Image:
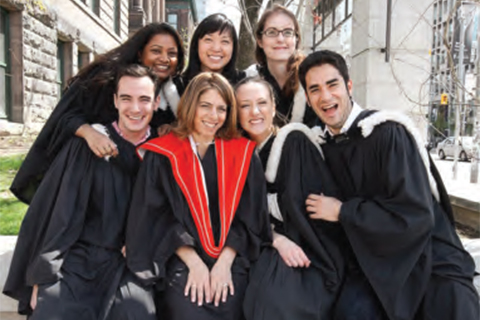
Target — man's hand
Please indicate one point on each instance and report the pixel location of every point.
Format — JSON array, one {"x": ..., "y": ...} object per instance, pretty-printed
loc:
[{"x": 322, "y": 207}]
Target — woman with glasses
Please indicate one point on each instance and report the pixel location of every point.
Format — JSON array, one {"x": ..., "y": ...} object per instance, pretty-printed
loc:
[{"x": 278, "y": 57}]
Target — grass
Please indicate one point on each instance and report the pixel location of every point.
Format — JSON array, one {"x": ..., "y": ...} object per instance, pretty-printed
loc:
[{"x": 11, "y": 210}]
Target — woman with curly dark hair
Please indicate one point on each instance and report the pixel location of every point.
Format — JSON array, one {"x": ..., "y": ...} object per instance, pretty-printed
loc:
[{"x": 88, "y": 99}]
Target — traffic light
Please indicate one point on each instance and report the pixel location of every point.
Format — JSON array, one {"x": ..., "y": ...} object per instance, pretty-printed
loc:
[{"x": 444, "y": 99}]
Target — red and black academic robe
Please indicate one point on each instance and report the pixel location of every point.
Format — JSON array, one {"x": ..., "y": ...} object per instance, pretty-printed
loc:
[{"x": 180, "y": 199}]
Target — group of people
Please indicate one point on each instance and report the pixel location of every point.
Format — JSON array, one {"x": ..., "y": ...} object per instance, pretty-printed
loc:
[{"x": 163, "y": 192}]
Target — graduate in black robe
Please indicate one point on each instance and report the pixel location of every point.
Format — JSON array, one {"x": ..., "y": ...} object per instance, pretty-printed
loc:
[
  {"x": 70, "y": 242},
  {"x": 393, "y": 209},
  {"x": 300, "y": 276},
  {"x": 88, "y": 99},
  {"x": 277, "y": 63},
  {"x": 209, "y": 199},
  {"x": 213, "y": 24}
]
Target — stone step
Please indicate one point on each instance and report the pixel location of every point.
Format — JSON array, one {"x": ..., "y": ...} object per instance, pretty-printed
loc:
[{"x": 11, "y": 316}]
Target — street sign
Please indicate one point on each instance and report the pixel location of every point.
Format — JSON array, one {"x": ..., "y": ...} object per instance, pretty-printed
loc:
[{"x": 444, "y": 99}]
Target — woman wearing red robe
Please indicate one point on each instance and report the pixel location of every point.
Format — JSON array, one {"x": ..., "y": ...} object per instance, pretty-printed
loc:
[{"x": 199, "y": 215}]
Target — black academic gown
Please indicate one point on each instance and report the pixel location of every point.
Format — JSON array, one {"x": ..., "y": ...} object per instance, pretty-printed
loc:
[
  {"x": 160, "y": 222},
  {"x": 403, "y": 239},
  {"x": 276, "y": 291},
  {"x": 84, "y": 101},
  {"x": 71, "y": 238},
  {"x": 284, "y": 104}
]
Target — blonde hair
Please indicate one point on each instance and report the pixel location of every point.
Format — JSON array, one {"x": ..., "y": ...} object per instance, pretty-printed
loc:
[{"x": 187, "y": 106}]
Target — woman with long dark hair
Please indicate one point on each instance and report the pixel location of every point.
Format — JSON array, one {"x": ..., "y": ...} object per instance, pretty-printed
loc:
[
  {"x": 278, "y": 56},
  {"x": 88, "y": 99},
  {"x": 214, "y": 48},
  {"x": 198, "y": 215}
]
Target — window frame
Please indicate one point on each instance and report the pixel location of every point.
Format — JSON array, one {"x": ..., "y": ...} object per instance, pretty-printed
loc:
[{"x": 6, "y": 112}]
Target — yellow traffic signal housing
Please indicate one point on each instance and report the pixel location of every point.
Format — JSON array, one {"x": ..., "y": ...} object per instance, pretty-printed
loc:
[{"x": 444, "y": 99}]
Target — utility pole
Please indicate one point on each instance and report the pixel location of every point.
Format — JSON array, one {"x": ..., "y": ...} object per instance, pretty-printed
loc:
[
  {"x": 460, "y": 93},
  {"x": 476, "y": 128}
]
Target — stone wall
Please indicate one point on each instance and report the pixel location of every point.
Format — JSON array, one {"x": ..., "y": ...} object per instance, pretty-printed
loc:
[
  {"x": 40, "y": 68},
  {"x": 35, "y": 28}
]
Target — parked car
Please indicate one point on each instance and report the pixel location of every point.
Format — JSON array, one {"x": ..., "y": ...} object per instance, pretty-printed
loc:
[{"x": 446, "y": 148}]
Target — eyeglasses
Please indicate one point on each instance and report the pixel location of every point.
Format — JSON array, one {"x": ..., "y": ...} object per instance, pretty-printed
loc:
[{"x": 272, "y": 33}]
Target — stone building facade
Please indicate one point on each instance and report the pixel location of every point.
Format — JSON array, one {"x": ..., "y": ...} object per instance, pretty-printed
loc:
[{"x": 43, "y": 43}]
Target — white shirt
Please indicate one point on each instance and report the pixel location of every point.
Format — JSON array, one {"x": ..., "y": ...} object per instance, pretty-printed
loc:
[{"x": 356, "y": 110}]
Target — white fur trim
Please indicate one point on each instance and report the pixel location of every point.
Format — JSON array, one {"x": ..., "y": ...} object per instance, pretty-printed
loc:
[
  {"x": 299, "y": 100},
  {"x": 368, "y": 124},
  {"x": 169, "y": 96},
  {"x": 319, "y": 134},
  {"x": 299, "y": 103},
  {"x": 103, "y": 130},
  {"x": 276, "y": 151},
  {"x": 252, "y": 71},
  {"x": 273, "y": 207}
]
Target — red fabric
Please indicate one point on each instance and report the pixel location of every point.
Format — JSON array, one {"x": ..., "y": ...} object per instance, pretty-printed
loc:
[{"x": 233, "y": 161}]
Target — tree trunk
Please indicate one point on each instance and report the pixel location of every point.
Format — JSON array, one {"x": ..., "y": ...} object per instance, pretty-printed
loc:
[{"x": 246, "y": 54}]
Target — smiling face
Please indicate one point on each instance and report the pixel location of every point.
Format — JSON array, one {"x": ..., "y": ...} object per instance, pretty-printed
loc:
[
  {"x": 328, "y": 95},
  {"x": 210, "y": 115},
  {"x": 161, "y": 54},
  {"x": 135, "y": 103},
  {"x": 215, "y": 51},
  {"x": 256, "y": 110},
  {"x": 279, "y": 48}
]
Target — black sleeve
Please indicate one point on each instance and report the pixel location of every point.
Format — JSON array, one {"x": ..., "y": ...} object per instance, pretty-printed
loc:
[
  {"x": 390, "y": 229},
  {"x": 77, "y": 106},
  {"x": 154, "y": 229},
  {"x": 302, "y": 171},
  {"x": 250, "y": 229},
  {"x": 53, "y": 221}
]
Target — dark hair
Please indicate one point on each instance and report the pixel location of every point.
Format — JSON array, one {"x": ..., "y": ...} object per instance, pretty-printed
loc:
[
  {"x": 128, "y": 53},
  {"x": 319, "y": 58},
  {"x": 189, "y": 103},
  {"x": 292, "y": 83},
  {"x": 217, "y": 22},
  {"x": 136, "y": 71}
]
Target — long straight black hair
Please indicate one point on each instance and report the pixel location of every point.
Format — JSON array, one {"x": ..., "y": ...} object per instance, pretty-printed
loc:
[{"x": 217, "y": 22}]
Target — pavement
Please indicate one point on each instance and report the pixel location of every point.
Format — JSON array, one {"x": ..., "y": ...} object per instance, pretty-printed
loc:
[{"x": 460, "y": 187}]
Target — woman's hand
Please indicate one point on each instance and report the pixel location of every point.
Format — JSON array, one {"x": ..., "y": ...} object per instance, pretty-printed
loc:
[
  {"x": 99, "y": 143},
  {"x": 221, "y": 276},
  {"x": 291, "y": 253},
  {"x": 198, "y": 282},
  {"x": 33, "y": 298}
]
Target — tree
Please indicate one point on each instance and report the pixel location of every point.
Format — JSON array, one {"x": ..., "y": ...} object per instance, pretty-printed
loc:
[{"x": 250, "y": 10}]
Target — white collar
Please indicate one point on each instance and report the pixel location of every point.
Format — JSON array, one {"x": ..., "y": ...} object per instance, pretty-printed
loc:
[{"x": 356, "y": 110}]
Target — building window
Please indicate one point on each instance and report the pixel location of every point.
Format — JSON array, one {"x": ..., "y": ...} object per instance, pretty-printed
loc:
[
  {"x": 94, "y": 5},
  {"x": 117, "y": 11},
  {"x": 329, "y": 15},
  {"x": 172, "y": 20},
  {"x": 4, "y": 65},
  {"x": 60, "y": 67}
]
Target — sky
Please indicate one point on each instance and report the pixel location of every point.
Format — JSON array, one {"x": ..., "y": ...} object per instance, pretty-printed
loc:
[{"x": 228, "y": 7}]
